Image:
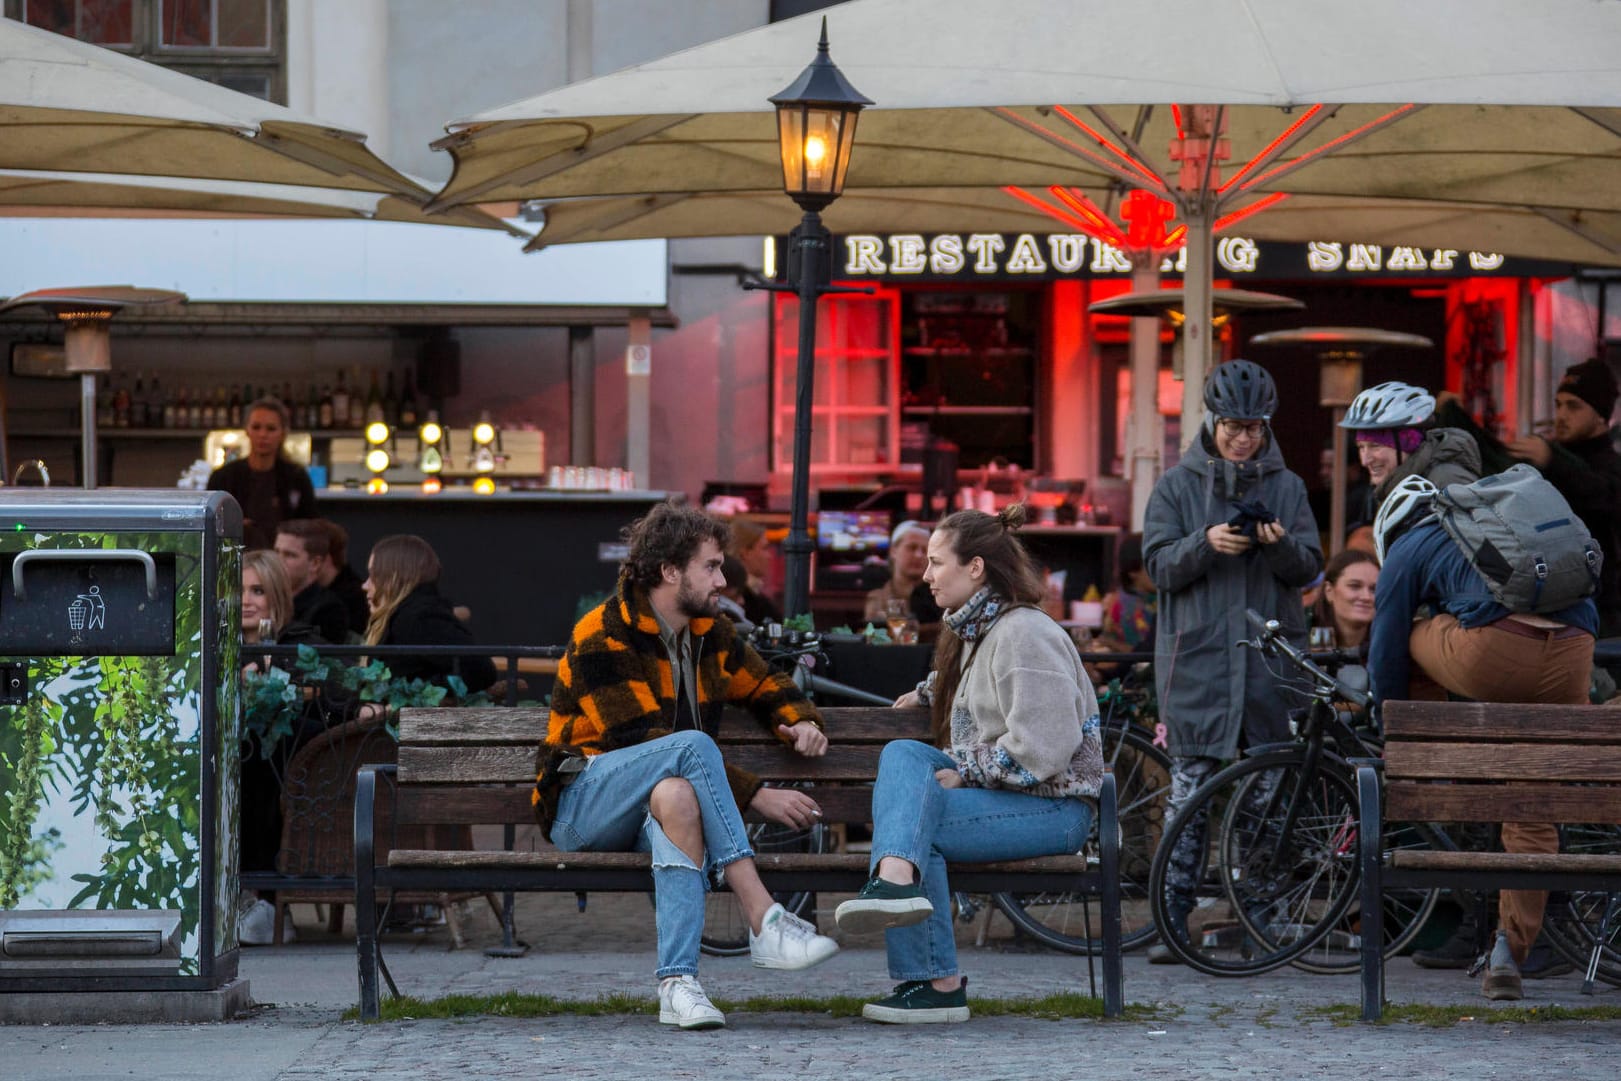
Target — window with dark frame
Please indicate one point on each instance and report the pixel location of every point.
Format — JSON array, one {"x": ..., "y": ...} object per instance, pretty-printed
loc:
[{"x": 237, "y": 44}]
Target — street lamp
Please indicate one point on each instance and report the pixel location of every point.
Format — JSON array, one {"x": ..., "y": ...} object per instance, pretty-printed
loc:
[{"x": 816, "y": 126}]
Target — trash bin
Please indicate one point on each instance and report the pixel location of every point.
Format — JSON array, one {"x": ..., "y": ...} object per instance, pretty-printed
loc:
[{"x": 119, "y": 635}]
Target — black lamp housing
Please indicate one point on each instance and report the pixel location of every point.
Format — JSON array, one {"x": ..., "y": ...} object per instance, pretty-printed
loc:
[{"x": 816, "y": 126}]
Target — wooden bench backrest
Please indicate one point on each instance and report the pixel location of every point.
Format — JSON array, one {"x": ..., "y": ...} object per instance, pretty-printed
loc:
[
  {"x": 1494, "y": 762},
  {"x": 477, "y": 765}
]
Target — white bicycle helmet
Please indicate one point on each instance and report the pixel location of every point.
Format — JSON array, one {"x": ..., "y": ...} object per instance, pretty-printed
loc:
[
  {"x": 1389, "y": 405},
  {"x": 1405, "y": 506}
]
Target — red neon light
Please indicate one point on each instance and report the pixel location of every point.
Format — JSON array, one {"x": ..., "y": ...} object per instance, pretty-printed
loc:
[
  {"x": 1174, "y": 239},
  {"x": 1330, "y": 145},
  {"x": 1118, "y": 152},
  {"x": 1176, "y": 115},
  {"x": 1077, "y": 201},
  {"x": 1243, "y": 212},
  {"x": 1273, "y": 145},
  {"x": 1051, "y": 211}
]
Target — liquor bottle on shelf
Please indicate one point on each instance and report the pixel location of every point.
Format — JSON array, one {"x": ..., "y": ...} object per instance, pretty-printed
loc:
[
  {"x": 326, "y": 409},
  {"x": 236, "y": 407},
  {"x": 208, "y": 415},
  {"x": 222, "y": 407},
  {"x": 374, "y": 402},
  {"x": 339, "y": 416},
  {"x": 153, "y": 406},
  {"x": 137, "y": 403},
  {"x": 104, "y": 403},
  {"x": 357, "y": 403},
  {"x": 121, "y": 404},
  {"x": 311, "y": 409},
  {"x": 194, "y": 409},
  {"x": 391, "y": 402},
  {"x": 408, "y": 402},
  {"x": 170, "y": 413}
]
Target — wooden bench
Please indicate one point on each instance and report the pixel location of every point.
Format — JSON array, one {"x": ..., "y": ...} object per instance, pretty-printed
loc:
[
  {"x": 1484, "y": 762},
  {"x": 476, "y": 766}
]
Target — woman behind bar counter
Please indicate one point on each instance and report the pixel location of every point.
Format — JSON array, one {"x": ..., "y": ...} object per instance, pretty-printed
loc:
[
  {"x": 402, "y": 586},
  {"x": 269, "y": 488}
]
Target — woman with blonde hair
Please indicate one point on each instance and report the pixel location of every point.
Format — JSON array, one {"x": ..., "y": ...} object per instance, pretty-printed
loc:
[
  {"x": 267, "y": 596},
  {"x": 1014, "y": 771},
  {"x": 402, "y": 588}
]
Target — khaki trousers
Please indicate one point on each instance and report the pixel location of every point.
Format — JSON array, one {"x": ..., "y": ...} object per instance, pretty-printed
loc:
[{"x": 1495, "y": 664}]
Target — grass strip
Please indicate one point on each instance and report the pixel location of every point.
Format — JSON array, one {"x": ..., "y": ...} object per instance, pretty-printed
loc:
[
  {"x": 1445, "y": 1016},
  {"x": 1055, "y": 1007}
]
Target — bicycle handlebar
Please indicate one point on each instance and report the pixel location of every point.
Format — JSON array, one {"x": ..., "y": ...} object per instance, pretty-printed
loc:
[{"x": 1269, "y": 637}]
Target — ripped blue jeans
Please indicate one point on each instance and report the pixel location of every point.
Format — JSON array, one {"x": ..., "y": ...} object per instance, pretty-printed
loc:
[{"x": 605, "y": 810}]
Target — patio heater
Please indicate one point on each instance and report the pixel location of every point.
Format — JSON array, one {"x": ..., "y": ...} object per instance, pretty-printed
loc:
[
  {"x": 85, "y": 312},
  {"x": 1340, "y": 351},
  {"x": 816, "y": 127}
]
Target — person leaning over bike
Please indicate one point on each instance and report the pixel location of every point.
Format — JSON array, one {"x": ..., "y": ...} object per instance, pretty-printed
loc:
[
  {"x": 1213, "y": 697},
  {"x": 1478, "y": 649}
]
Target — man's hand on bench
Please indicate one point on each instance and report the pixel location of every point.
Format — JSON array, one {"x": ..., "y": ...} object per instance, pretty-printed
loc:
[
  {"x": 787, "y": 806},
  {"x": 807, "y": 739}
]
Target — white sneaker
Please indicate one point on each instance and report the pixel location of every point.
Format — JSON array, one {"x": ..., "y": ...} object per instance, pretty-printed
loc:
[
  {"x": 682, "y": 1002},
  {"x": 786, "y": 941},
  {"x": 255, "y": 922}
]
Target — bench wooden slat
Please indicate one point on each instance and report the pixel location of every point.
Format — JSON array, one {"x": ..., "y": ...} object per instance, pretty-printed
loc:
[
  {"x": 1408, "y": 859},
  {"x": 490, "y": 805},
  {"x": 766, "y": 861},
  {"x": 1501, "y": 761},
  {"x": 516, "y": 764},
  {"x": 1494, "y": 721},
  {"x": 526, "y": 726},
  {"x": 1413, "y": 801}
]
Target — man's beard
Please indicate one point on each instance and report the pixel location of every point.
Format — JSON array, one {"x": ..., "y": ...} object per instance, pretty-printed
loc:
[{"x": 693, "y": 604}]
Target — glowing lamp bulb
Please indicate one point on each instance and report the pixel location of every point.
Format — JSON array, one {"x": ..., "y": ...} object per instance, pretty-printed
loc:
[
  {"x": 815, "y": 151},
  {"x": 432, "y": 485},
  {"x": 484, "y": 486},
  {"x": 377, "y": 459},
  {"x": 376, "y": 486},
  {"x": 483, "y": 432},
  {"x": 432, "y": 433},
  {"x": 376, "y": 432}
]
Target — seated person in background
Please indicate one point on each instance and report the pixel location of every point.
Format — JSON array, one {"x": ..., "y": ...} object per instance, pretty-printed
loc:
[
  {"x": 270, "y": 487},
  {"x": 267, "y": 616},
  {"x": 908, "y": 559},
  {"x": 753, "y": 550},
  {"x": 305, "y": 549},
  {"x": 730, "y": 601},
  {"x": 402, "y": 585},
  {"x": 336, "y": 574},
  {"x": 1396, "y": 437},
  {"x": 1128, "y": 611},
  {"x": 1341, "y": 616}
]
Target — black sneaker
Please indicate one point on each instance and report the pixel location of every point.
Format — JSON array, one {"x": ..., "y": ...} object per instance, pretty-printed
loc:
[
  {"x": 1544, "y": 962},
  {"x": 881, "y": 905},
  {"x": 1459, "y": 951},
  {"x": 916, "y": 1002}
]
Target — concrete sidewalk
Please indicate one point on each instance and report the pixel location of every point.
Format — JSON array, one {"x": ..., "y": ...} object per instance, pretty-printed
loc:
[{"x": 1207, "y": 1027}]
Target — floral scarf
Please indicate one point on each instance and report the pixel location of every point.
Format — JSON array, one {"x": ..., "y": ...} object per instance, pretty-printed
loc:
[{"x": 974, "y": 618}]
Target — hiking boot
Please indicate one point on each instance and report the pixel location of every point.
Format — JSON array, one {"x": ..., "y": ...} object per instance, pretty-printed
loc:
[
  {"x": 916, "y": 1002},
  {"x": 1502, "y": 980},
  {"x": 881, "y": 905},
  {"x": 1544, "y": 962},
  {"x": 682, "y": 1002},
  {"x": 1459, "y": 951},
  {"x": 785, "y": 941}
]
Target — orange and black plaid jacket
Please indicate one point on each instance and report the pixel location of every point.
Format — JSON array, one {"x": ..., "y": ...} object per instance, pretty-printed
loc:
[{"x": 614, "y": 689}]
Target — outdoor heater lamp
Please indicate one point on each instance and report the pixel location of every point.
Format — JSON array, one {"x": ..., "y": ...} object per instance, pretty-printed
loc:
[{"x": 816, "y": 127}]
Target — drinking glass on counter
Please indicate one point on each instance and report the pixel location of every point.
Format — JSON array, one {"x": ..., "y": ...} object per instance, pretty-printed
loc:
[{"x": 903, "y": 628}]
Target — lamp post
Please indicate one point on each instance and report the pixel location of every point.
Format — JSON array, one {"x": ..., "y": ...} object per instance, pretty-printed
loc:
[{"x": 816, "y": 127}]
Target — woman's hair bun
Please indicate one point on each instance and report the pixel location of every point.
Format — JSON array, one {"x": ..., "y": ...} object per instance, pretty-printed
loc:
[{"x": 1011, "y": 516}]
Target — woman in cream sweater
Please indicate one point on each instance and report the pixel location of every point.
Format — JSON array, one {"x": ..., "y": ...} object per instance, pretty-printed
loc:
[{"x": 1014, "y": 771}]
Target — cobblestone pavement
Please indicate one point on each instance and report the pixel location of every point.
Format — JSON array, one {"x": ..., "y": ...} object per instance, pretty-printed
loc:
[{"x": 1207, "y": 1028}]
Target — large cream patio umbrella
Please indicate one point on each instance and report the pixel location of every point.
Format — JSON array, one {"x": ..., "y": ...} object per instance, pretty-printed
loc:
[
  {"x": 69, "y": 107},
  {"x": 1441, "y": 123}
]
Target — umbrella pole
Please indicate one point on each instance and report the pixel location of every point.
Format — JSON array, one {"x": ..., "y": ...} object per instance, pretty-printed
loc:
[
  {"x": 1144, "y": 437},
  {"x": 808, "y": 254},
  {"x": 1336, "y": 497},
  {"x": 1196, "y": 336}
]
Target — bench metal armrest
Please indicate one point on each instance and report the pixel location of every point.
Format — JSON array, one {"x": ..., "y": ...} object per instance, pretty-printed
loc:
[
  {"x": 1366, "y": 763},
  {"x": 1109, "y": 865},
  {"x": 1370, "y": 846}
]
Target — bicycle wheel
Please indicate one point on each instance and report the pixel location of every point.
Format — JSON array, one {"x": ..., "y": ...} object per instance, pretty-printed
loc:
[
  {"x": 1070, "y": 921},
  {"x": 1585, "y": 925},
  {"x": 1338, "y": 953},
  {"x": 726, "y": 932},
  {"x": 1273, "y": 893}
]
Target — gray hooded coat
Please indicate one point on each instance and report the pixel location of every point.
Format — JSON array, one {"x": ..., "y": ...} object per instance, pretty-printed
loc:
[{"x": 1210, "y": 690}]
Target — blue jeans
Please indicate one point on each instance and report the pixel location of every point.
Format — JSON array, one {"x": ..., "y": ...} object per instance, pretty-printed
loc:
[
  {"x": 926, "y": 825},
  {"x": 605, "y": 810}
]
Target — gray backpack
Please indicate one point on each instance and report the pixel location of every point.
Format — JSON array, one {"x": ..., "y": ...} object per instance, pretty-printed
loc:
[{"x": 1521, "y": 535}]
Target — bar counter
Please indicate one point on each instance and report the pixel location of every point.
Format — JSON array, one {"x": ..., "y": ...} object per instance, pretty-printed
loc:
[{"x": 522, "y": 561}]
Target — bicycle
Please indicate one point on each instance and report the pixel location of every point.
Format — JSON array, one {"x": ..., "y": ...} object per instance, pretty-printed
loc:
[
  {"x": 1134, "y": 751},
  {"x": 1285, "y": 854}
]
